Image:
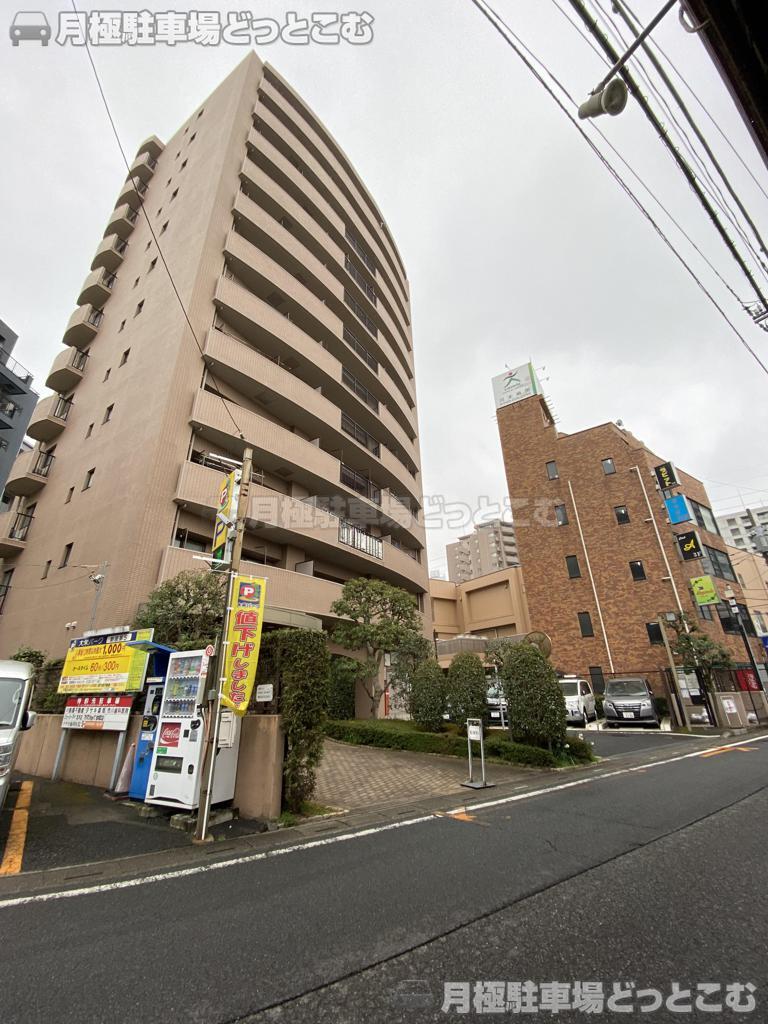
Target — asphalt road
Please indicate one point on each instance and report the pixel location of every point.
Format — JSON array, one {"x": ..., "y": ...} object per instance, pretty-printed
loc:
[{"x": 650, "y": 877}]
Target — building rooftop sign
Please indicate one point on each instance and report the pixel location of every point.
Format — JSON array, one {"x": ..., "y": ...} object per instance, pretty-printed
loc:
[{"x": 515, "y": 385}]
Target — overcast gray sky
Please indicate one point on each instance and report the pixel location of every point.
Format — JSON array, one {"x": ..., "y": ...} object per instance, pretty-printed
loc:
[{"x": 517, "y": 242}]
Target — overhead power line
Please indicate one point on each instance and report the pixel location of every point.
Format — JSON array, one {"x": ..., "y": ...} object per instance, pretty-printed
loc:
[
  {"x": 510, "y": 38},
  {"x": 154, "y": 236},
  {"x": 591, "y": 24}
]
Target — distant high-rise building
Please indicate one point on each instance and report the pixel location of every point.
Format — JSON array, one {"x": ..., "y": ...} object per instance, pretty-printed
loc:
[
  {"x": 746, "y": 530},
  {"x": 490, "y": 546},
  {"x": 291, "y": 285},
  {"x": 17, "y": 402}
]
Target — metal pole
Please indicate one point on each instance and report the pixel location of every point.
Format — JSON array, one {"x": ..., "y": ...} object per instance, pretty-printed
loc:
[
  {"x": 591, "y": 577},
  {"x": 469, "y": 751},
  {"x": 661, "y": 548},
  {"x": 482, "y": 757},
  {"x": 638, "y": 42},
  {"x": 737, "y": 615},
  {"x": 682, "y": 715},
  {"x": 209, "y": 765},
  {"x": 102, "y": 571}
]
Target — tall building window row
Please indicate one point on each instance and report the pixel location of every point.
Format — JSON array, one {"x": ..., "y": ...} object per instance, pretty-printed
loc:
[
  {"x": 585, "y": 624},
  {"x": 359, "y": 389},
  {"x": 360, "y": 434},
  {"x": 360, "y": 279},
  {"x": 360, "y": 313},
  {"x": 360, "y": 349}
]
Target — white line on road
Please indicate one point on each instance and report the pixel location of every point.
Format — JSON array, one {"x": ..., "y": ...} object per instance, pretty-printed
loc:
[{"x": 251, "y": 858}]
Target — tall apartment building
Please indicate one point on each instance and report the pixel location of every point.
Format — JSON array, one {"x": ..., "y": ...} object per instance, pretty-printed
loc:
[
  {"x": 298, "y": 299},
  {"x": 747, "y": 530},
  {"x": 597, "y": 576},
  {"x": 17, "y": 400},
  {"x": 491, "y": 546}
]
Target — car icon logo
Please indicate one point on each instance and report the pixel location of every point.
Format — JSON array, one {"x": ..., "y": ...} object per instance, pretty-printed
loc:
[{"x": 30, "y": 25}]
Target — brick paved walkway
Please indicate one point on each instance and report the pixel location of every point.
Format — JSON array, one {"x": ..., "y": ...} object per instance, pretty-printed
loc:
[{"x": 352, "y": 777}]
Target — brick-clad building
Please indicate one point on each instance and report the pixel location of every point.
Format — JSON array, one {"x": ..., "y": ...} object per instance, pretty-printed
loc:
[{"x": 595, "y": 575}]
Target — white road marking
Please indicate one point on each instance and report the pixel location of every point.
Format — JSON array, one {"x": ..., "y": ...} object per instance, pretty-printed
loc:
[{"x": 252, "y": 858}]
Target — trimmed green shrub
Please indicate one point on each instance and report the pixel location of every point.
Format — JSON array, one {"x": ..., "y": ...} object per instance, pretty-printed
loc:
[
  {"x": 579, "y": 750},
  {"x": 535, "y": 702},
  {"x": 428, "y": 696},
  {"x": 467, "y": 690},
  {"x": 30, "y": 655},
  {"x": 342, "y": 685}
]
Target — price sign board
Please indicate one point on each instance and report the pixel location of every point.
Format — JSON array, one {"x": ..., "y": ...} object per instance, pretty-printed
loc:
[
  {"x": 105, "y": 663},
  {"x": 99, "y": 713}
]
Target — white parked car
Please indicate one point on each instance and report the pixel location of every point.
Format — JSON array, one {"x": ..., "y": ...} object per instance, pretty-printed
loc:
[
  {"x": 579, "y": 700},
  {"x": 15, "y": 693}
]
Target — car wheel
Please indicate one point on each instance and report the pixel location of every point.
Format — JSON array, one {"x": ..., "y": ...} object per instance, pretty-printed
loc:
[
  {"x": 44, "y": 42},
  {"x": 15, "y": 42}
]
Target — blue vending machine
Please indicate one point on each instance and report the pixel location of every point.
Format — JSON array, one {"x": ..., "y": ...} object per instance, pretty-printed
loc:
[{"x": 145, "y": 744}]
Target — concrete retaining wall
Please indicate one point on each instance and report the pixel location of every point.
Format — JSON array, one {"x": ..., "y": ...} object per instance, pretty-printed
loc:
[{"x": 90, "y": 755}]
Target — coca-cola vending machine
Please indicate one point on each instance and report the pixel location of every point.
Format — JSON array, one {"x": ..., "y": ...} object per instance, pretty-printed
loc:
[{"x": 174, "y": 776}]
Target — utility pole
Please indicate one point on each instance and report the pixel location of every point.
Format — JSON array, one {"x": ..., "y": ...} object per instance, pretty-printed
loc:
[
  {"x": 98, "y": 579},
  {"x": 219, "y": 658},
  {"x": 736, "y": 613}
]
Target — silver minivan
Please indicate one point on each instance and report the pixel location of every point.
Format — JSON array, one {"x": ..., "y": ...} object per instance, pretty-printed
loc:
[
  {"x": 16, "y": 678},
  {"x": 629, "y": 701}
]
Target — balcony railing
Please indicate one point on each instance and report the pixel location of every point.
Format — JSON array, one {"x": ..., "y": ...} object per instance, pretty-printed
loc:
[
  {"x": 361, "y": 315},
  {"x": 62, "y": 407},
  {"x": 4, "y": 588},
  {"x": 360, "y": 483},
  {"x": 367, "y": 257},
  {"x": 357, "y": 538},
  {"x": 21, "y": 525},
  {"x": 8, "y": 408},
  {"x": 15, "y": 367},
  {"x": 361, "y": 350},
  {"x": 360, "y": 279},
  {"x": 361, "y": 435},
  {"x": 95, "y": 317},
  {"x": 43, "y": 463},
  {"x": 359, "y": 389},
  {"x": 79, "y": 360}
]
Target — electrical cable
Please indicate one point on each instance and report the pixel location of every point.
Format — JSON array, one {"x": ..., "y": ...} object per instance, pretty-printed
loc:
[
  {"x": 152, "y": 232},
  {"x": 690, "y": 177},
  {"x": 490, "y": 15}
]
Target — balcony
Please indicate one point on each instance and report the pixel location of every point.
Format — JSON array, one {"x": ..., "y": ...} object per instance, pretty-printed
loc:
[
  {"x": 152, "y": 146},
  {"x": 29, "y": 473},
  {"x": 110, "y": 253},
  {"x": 97, "y": 288},
  {"x": 14, "y": 527},
  {"x": 83, "y": 326},
  {"x": 49, "y": 418},
  {"x": 67, "y": 370},
  {"x": 143, "y": 167},
  {"x": 122, "y": 221},
  {"x": 132, "y": 192},
  {"x": 357, "y": 538},
  {"x": 15, "y": 378}
]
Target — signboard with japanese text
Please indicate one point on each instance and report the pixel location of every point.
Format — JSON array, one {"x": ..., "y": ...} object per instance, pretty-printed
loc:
[
  {"x": 678, "y": 509},
  {"x": 221, "y": 530},
  {"x": 666, "y": 475},
  {"x": 100, "y": 713},
  {"x": 704, "y": 590},
  {"x": 689, "y": 545},
  {"x": 514, "y": 385},
  {"x": 104, "y": 663},
  {"x": 245, "y": 617}
]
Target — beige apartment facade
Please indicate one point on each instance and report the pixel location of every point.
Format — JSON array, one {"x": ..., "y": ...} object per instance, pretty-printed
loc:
[
  {"x": 298, "y": 343},
  {"x": 752, "y": 573},
  {"x": 489, "y": 547}
]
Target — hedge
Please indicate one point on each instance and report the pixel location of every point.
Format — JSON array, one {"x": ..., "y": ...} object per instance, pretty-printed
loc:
[{"x": 498, "y": 748}]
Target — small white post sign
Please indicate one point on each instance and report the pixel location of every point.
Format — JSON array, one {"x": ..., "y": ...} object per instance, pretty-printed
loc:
[
  {"x": 265, "y": 692},
  {"x": 475, "y": 734}
]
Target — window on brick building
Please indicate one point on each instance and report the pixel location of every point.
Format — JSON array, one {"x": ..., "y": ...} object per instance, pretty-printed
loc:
[
  {"x": 622, "y": 514},
  {"x": 637, "y": 569},
  {"x": 552, "y": 470},
  {"x": 585, "y": 624},
  {"x": 654, "y": 633},
  {"x": 608, "y": 467},
  {"x": 572, "y": 564},
  {"x": 561, "y": 515}
]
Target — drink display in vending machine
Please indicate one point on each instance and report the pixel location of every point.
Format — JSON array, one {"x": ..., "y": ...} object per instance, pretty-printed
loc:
[{"x": 174, "y": 776}]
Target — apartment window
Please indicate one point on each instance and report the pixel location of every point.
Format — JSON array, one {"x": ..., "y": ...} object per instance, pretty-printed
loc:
[
  {"x": 585, "y": 624},
  {"x": 705, "y": 612},
  {"x": 184, "y": 164},
  {"x": 136, "y": 282},
  {"x": 88, "y": 479},
  {"x": 572, "y": 564},
  {"x": 46, "y": 570},
  {"x": 717, "y": 563},
  {"x": 360, "y": 313},
  {"x": 361, "y": 350},
  {"x": 68, "y": 498},
  {"x": 174, "y": 194},
  {"x": 148, "y": 246},
  {"x": 152, "y": 265},
  {"x": 561, "y": 515},
  {"x": 168, "y": 182},
  {"x": 200, "y": 112},
  {"x": 121, "y": 327},
  {"x": 654, "y": 633},
  {"x": 552, "y": 470},
  {"x": 139, "y": 308},
  {"x": 66, "y": 555},
  {"x": 5, "y": 586},
  {"x": 359, "y": 389},
  {"x": 622, "y": 514},
  {"x": 164, "y": 228},
  {"x": 124, "y": 357},
  {"x": 108, "y": 414},
  {"x": 360, "y": 434},
  {"x": 193, "y": 136},
  {"x": 758, "y": 617},
  {"x": 89, "y": 431},
  {"x": 704, "y": 517},
  {"x": 597, "y": 678},
  {"x": 638, "y": 570},
  {"x": 608, "y": 467},
  {"x": 192, "y": 541},
  {"x": 106, "y": 375}
]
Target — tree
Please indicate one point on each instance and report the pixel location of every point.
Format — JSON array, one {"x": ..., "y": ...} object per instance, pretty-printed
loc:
[
  {"x": 696, "y": 650},
  {"x": 467, "y": 689},
  {"x": 497, "y": 648},
  {"x": 186, "y": 611},
  {"x": 378, "y": 619},
  {"x": 31, "y": 655},
  {"x": 427, "y": 696},
  {"x": 405, "y": 663},
  {"x": 343, "y": 682},
  {"x": 535, "y": 702}
]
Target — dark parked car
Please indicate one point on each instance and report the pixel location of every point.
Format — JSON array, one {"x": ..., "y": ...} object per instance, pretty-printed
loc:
[{"x": 629, "y": 701}]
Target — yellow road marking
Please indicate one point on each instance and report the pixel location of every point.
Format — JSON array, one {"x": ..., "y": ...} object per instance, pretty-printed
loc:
[
  {"x": 17, "y": 834},
  {"x": 726, "y": 750},
  {"x": 462, "y": 816}
]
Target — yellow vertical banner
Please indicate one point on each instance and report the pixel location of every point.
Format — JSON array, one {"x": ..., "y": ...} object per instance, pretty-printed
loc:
[
  {"x": 246, "y": 614},
  {"x": 221, "y": 529}
]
